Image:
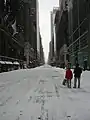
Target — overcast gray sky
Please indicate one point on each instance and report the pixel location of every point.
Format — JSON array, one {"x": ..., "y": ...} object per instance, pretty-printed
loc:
[{"x": 45, "y": 6}]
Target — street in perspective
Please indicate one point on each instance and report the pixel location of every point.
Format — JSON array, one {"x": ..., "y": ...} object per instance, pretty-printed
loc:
[
  {"x": 38, "y": 94},
  {"x": 44, "y": 60}
]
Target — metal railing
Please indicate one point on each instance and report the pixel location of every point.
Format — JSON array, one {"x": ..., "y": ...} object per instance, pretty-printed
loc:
[
  {"x": 79, "y": 44},
  {"x": 78, "y": 38},
  {"x": 78, "y": 27}
]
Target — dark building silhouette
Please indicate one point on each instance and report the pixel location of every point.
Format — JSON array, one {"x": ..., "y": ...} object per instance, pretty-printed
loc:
[
  {"x": 79, "y": 21},
  {"x": 18, "y": 32},
  {"x": 61, "y": 22}
]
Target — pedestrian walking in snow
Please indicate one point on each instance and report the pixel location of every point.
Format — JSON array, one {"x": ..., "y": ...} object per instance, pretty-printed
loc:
[
  {"x": 69, "y": 76},
  {"x": 77, "y": 75}
]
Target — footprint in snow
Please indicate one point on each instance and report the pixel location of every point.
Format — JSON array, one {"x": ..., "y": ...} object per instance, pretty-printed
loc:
[{"x": 17, "y": 101}]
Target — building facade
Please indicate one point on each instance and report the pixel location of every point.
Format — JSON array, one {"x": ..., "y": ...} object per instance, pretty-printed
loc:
[
  {"x": 79, "y": 31},
  {"x": 61, "y": 27},
  {"x": 10, "y": 48},
  {"x": 18, "y": 31},
  {"x": 52, "y": 44}
]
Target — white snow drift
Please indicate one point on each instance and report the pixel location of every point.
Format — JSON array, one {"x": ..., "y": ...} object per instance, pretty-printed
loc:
[{"x": 39, "y": 94}]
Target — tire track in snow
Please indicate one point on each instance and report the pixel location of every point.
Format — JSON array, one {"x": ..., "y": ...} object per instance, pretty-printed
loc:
[
  {"x": 6, "y": 101},
  {"x": 40, "y": 96},
  {"x": 57, "y": 91},
  {"x": 56, "y": 85}
]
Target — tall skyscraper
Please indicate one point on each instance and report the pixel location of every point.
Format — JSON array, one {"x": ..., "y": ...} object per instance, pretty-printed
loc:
[{"x": 53, "y": 31}]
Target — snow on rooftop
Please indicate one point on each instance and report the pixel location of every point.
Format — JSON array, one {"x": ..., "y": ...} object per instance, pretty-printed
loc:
[
  {"x": 16, "y": 63},
  {"x": 2, "y": 62},
  {"x": 6, "y": 62}
]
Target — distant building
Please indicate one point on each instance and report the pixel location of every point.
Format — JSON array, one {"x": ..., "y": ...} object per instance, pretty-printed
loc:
[
  {"x": 61, "y": 28},
  {"x": 50, "y": 57},
  {"x": 53, "y": 35},
  {"x": 42, "y": 61}
]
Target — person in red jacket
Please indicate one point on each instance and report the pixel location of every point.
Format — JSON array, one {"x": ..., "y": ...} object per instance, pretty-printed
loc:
[{"x": 69, "y": 76}]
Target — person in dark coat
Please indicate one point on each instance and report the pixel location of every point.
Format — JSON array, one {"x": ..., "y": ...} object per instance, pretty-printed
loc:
[{"x": 77, "y": 75}]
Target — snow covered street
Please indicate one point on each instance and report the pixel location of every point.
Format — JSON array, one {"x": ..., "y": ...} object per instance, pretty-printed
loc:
[{"x": 38, "y": 94}]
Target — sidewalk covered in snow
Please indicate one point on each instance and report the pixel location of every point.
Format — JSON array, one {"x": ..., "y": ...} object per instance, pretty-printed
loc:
[{"x": 39, "y": 94}]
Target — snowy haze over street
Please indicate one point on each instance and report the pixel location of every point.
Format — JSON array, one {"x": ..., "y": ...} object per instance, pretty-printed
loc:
[
  {"x": 38, "y": 94},
  {"x": 45, "y": 7}
]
